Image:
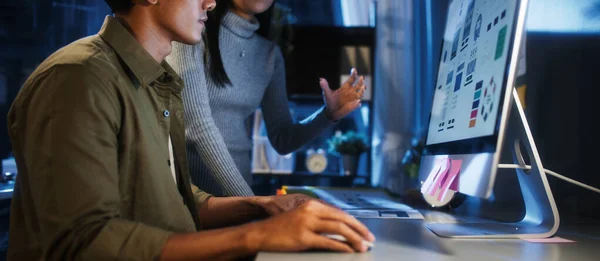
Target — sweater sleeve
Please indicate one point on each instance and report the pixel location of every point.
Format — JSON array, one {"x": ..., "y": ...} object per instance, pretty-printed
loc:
[
  {"x": 285, "y": 134},
  {"x": 200, "y": 128}
]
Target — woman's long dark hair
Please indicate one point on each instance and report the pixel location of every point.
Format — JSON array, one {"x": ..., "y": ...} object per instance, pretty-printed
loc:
[{"x": 212, "y": 55}]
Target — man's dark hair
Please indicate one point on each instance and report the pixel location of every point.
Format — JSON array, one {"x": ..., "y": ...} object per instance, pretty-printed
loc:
[{"x": 119, "y": 6}]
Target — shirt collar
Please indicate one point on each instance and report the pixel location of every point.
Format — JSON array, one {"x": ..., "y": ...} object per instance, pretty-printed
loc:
[{"x": 143, "y": 66}]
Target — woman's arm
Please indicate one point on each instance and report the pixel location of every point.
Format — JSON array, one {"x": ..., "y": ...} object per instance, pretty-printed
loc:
[
  {"x": 200, "y": 127},
  {"x": 285, "y": 134}
]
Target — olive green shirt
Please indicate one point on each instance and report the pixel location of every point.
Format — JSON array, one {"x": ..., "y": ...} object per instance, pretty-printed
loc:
[{"x": 90, "y": 131}]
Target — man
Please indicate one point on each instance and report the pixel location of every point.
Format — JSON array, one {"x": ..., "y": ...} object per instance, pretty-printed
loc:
[{"x": 98, "y": 137}]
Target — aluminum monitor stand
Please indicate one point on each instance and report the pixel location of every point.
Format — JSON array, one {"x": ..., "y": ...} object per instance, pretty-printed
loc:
[{"x": 541, "y": 219}]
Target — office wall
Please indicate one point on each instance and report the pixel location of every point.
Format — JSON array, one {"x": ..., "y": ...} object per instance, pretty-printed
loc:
[
  {"x": 30, "y": 30},
  {"x": 408, "y": 46},
  {"x": 562, "y": 98}
]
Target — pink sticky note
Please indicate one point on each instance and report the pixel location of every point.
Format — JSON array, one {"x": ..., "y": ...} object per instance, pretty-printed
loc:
[
  {"x": 451, "y": 179},
  {"x": 434, "y": 172},
  {"x": 454, "y": 171},
  {"x": 433, "y": 180},
  {"x": 439, "y": 179},
  {"x": 444, "y": 176},
  {"x": 549, "y": 240}
]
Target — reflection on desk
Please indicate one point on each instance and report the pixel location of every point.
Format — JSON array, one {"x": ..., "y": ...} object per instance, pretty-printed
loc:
[{"x": 411, "y": 240}]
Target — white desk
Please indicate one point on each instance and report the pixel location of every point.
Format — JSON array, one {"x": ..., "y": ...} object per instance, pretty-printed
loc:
[{"x": 411, "y": 240}]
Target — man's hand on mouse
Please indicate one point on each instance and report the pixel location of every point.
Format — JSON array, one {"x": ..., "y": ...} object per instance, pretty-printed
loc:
[{"x": 302, "y": 228}]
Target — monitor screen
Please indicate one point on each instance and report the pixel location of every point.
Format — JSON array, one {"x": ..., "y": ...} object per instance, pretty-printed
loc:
[{"x": 473, "y": 70}]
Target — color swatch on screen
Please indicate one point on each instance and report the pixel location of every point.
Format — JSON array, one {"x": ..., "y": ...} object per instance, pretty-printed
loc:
[
  {"x": 500, "y": 43},
  {"x": 488, "y": 94},
  {"x": 475, "y": 107}
]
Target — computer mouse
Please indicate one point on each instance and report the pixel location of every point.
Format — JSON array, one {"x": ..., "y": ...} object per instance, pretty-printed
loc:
[{"x": 341, "y": 238}]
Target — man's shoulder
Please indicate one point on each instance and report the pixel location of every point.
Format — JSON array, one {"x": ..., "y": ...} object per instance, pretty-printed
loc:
[
  {"x": 89, "y": 55},
  {"x": 86, "y": 65}
]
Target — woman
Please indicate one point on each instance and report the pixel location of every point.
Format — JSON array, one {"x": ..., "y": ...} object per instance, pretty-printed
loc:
[{"x": 245, "y": 71}]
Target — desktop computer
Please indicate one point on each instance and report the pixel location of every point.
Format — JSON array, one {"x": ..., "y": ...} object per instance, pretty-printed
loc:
[{"x": 476, "y": 115}]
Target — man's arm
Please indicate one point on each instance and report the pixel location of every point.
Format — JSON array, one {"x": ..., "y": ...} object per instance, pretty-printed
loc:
[
  {"x": 219, "y": 212},
  {"x": 221, "y": 244},
  {"x": 215, "y": 212},
  {"x": 296, "y": 230},
  {"x": 201, "y": 129},
  {"x": 69, "y": 133}
]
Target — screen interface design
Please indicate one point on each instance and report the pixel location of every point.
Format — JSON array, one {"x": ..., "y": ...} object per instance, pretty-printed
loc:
[{"x": 472, "y": 70}]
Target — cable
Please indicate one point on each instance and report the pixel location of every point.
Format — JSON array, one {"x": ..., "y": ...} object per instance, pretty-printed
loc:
[
  {"x": 552, "y": 173},
  {"x": 571, "y": 181}
]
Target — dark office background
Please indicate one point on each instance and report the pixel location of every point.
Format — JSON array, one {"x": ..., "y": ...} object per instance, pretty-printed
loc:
[
  {"x": 30, "y": 30},
  {"x": 562, "y": 79}
]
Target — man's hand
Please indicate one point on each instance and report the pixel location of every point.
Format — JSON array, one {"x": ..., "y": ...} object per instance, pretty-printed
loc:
[
  {"x": 300, "y": 229},
  {"x": 344, "y": 100},
  {"x": 274, "y": 205}
]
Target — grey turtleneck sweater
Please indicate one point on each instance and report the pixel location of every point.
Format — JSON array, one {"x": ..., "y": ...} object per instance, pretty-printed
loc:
[{"x": 218, "y": 140}]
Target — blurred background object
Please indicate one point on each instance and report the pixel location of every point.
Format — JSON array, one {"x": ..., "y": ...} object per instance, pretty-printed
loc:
[{"x": 395, "y": 44}]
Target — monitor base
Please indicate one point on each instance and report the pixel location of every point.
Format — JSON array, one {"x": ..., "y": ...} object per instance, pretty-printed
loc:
[
  {"x": 541, "y": 219},
  {"x": 488, "y": 230}
]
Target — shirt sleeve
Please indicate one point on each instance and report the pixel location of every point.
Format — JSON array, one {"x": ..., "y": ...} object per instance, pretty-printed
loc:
[
  {"x": 201, "y": 130},
  {"x": 70, "y": 144},
  {"x": 285, "y": 134},
  {"x": 199, "y": 196}
]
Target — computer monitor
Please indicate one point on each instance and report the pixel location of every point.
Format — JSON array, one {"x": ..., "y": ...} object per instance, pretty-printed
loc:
[
  {"x": 469, "y": 121},
  {"x": 473, "y": 89}
]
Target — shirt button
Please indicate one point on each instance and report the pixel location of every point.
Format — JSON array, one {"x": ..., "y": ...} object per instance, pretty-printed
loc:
[{"x": 166, "y": 113}]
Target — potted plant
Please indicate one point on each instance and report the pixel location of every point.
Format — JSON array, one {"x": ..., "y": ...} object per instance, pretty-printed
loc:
[
  {"x": 349, "y": 146},
  {"x": 410, "y": 165}
]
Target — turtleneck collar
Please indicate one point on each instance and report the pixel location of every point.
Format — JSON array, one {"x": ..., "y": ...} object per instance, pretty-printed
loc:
[{"x": 239, "y": 25}]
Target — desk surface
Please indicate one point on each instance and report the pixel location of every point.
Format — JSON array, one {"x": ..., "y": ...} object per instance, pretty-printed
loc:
[
  {"x": 6, "y": 190},
  {"x": 411, "y": 240}
]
